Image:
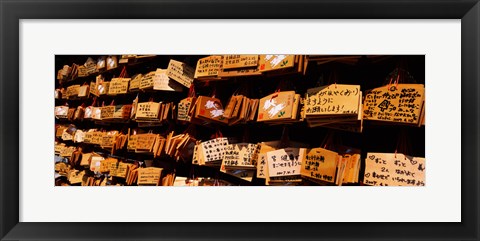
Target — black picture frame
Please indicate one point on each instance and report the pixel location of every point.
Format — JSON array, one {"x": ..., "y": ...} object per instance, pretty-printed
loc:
[{"x": 12, "y": 11}]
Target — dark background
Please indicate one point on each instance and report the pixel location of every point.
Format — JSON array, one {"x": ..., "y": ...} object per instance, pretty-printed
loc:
[{"x": 368, "y": 71}]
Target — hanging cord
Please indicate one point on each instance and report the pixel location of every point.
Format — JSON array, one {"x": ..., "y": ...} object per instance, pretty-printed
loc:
[
  {"x": 191, "y": 91},
  {"x": 190, "y": 130},
  {"x": 320, "y": 81},
  {"x": 204, "y": 88},
  {"x": 399, "y": 76},
  {"x": 328, "y": 141},
  {"x": 216, "y": 181},
  {"x": 123, "y": 74},
  {"x": 248, "y": 86},
  {"x": 336, "y": 142},
  {"x": 396, "y": 81},
  {"x": 217, "y": 134},
  {"x": 333, "y": 77},
  {"x": 391, "y": 77},
  {"x": 246, "y": 134},
  {"x": 125, "y": 130}
]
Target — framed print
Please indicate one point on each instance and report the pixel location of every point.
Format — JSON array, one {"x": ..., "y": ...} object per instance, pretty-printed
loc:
[{"x": 114, "y": 61}]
